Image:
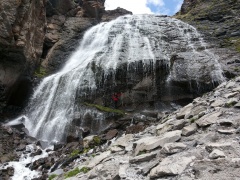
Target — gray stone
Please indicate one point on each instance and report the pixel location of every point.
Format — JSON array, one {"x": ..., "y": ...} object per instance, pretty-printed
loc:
[
  {"x": 218, "y": 103},
  {"x": 153, "y": 142},
  {"x": 87, "y": 141},
  {"x": 97, "y": 159},
  {"x": 163, "y": 128},
  {"x": 215, "y": 154},
  {"x": 178, "y": 124},
  {"x": 185, "y": 110},
  {"x": 230, "y": 95},
  {"x": 210, "y": 146},
  {"x": 143, "y": 157},
  {"x": 123, "y": 140},
  {"x": 189, "y": 130},
  {"x": 231, "y": 102},
  {"x": 115, "y": 149},
  {"x": 122, "y": 171},
  {"x": 208, "y": 119},
  {"x": 237, "y": 105},
  {"x": 195, "y": 111},
  {"x": 146, "y": 169},
  {"x": 171, "y": 166},
  {"x": 57, "y": 172},
  {"x": 226, "y": 131},
  {"x": 172, "y": 148},
  {"x": 230, "y": 84}
]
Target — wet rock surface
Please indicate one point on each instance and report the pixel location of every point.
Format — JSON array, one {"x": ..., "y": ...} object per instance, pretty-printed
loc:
[{"x": 219, "y": 22}]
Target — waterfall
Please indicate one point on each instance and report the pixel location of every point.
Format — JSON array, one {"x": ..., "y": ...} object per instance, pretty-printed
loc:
[{"x": 127, "y": 40}]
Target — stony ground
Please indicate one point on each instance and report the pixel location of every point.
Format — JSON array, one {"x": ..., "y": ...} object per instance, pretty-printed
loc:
[{"x": 198, "y": 141}]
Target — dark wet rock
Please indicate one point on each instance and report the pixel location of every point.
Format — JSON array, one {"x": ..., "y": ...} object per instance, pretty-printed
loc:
[
  {"x": 135, "y": 128},
  {"x": 113, "y": 14},
  {"x": 9, "y": 143},
  {"x": 38, "y": 152},
  {"x": 19, "y": 55},
  {"x": 111, "y": 134}
]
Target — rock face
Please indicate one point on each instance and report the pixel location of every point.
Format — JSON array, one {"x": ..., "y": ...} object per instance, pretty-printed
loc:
[
  {"x": 219, "y": 22},
  {"x": 150, "y": 59},
  {"x": 46, "y": 29},
  {"x": 21, "y": 40}
]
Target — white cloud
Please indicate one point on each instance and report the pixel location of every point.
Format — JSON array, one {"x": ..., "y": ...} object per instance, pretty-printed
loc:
[
  {"x": 168, "y": 7},
  {"x": 135, "y": 6}
]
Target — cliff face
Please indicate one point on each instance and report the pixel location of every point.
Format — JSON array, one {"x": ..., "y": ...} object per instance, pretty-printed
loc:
[
  {"x": 22, "y": 33},
  {"x": 219, "y": 21},
  {"x": 40, "y": 32}
]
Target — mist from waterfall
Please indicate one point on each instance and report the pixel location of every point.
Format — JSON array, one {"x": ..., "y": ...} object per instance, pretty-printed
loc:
[{"x": 128, "y": 39}]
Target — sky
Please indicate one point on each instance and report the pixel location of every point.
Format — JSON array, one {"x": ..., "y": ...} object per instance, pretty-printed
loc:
[{"x": 164, "y": 7}]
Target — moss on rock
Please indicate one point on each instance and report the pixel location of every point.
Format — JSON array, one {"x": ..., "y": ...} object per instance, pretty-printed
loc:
[{"x": 106, "y": 109}]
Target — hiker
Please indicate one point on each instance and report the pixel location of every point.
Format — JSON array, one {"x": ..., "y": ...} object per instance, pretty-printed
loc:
[{"x": 115, "y": 98}]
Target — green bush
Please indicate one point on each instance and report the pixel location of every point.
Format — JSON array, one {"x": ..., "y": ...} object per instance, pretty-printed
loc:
[
  {"x": 75, "y": 152},
  {"x": 84, "y": 170},
  {"x": 72, "y": 173},
  {"x": 52, "y": 176}
]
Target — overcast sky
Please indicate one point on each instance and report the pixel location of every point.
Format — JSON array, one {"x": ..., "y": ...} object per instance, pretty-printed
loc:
[{"x": 166, "y": 7}]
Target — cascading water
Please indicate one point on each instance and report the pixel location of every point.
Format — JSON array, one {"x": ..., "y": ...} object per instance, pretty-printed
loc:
[{"x": 126, "y": 40}]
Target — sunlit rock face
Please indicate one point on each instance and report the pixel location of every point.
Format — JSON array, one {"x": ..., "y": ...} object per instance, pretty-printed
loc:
[{"x": 150, "y": 59}]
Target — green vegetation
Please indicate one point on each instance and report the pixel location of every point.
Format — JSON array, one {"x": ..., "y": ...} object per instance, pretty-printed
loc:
[
  {"x": 72, "y": 173},
  {"x": 106, "y": 109},
  {"x": 85, "y": 150},
  {"x": 75, "y": 152},
  {"x": 193, "y": 119},
  {"x": 78, "y": 152},
  {"x": 142, "y": 152},
  {"x": 76, "y": 171},
  {"x": 236, "y": 44},
  {"x": 52, "y": 176},
  {"x": 230, "y": 104},
  {"x": 84, "y": 170},
  {"x": 41, "y": 72},
  {"x": 96, "y": 140}
]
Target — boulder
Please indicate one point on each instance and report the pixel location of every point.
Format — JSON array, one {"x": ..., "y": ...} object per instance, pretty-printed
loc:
[
  {"x": 97, "y": 159},
  {"x": 215, "y": 154},
  {"x": 218, "y": 103},
  {"x": 144, "y": 157},
  {"x": 237, "y": 105},
  {"x": 226, "y": 131},
  {"x": 123, "y": 141},
  {"x": 150, "y": 143},
  {"x": 185, "y": 110},
  {"x": 172, "y": 148},
  {"x": 211, "y": 146},
  {"x": 91, "y": 141},
  {"x": 189, "y": 130},
  {"x": 111, "y": 134},
  {"x": 171, "y": 166},
  {"x": 208, "y": 119}
]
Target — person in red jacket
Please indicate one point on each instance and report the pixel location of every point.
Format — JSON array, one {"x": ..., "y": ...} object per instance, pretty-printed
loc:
[{"x": 115, "y": 98}]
